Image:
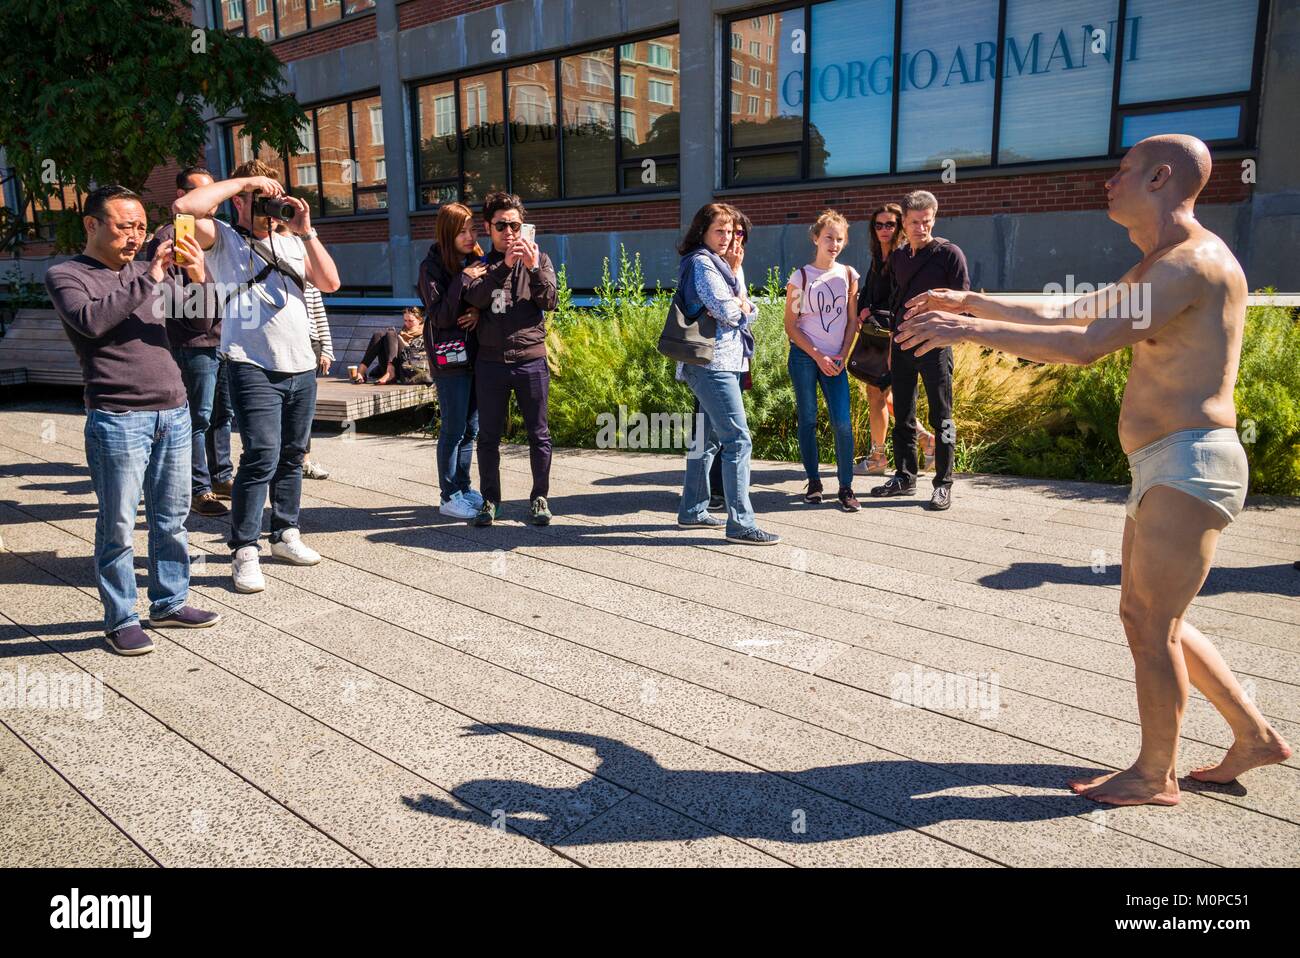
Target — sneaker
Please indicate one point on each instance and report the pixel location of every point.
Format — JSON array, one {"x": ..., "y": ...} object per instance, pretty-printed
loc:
[
  {"x": 487, "y": 513},
  {"x": 814, "y": 491},
  {"x": 313, "y": 470},
  {"x": 293, "y": 550},
  {"x": 207, "y": 504},
  {"x": 130, "y": 640},
  {"x": 896, "y": 486},
  {"x": 246, "y": 570},
  {"x": 458, "y": 507},
  {"x": 876, "y": 464},
  {"x": 941, "y": 498},
  {"x": 473, "y": 497},
  {"x": 848, "y": 501},
  {"x": 223, "y": 487},
  {"x": 755, "y": 537},
  {"x": 186, "y": 617},
  {"x": 541, "y": 513},
  {"x": 705, "y": 521},
  {"x": 717, "y": 503}
]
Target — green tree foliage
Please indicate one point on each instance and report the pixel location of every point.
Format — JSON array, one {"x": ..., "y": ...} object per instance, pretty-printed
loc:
[{"x": 105, "y": 91}]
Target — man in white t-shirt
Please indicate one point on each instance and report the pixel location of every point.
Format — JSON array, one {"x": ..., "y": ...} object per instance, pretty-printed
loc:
[{"x": 266, "y": 339}]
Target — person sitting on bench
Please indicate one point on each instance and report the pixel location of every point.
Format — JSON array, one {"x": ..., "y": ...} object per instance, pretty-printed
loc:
[{"x": 398, "y": 355}]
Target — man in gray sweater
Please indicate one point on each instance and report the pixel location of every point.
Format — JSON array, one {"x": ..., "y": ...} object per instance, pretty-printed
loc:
[{"x": 115, "y": 309}]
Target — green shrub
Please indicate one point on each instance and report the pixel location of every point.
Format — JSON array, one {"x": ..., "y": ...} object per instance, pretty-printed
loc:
[{"x": 1012, "y": 417}]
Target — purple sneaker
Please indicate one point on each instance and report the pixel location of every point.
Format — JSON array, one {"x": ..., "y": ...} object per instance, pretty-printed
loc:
[
  {"x": 186, "y": 617},
  {"x": 130, "y": 640}
]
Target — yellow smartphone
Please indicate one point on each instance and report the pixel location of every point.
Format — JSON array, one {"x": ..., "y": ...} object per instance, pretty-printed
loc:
[{"x": 184, "y": 226}]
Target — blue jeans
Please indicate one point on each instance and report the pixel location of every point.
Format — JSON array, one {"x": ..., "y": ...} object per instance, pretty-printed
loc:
[
  {"x": 200, "y": 371},
  {"x": 725, "y": 433},
  {"x": 217, "y": 447},
  {"x": 275, "y": 412},
  {"x": 805, "y": 375},
  {"x": 129, "y": 454},
  {"x": 457, "y": 430}
]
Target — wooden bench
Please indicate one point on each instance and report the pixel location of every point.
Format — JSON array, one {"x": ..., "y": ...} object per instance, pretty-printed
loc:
[{"x": 35, "y": 349}]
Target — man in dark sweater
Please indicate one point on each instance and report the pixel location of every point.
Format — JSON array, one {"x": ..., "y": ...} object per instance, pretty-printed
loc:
[
  {"x": 926, "y": 262},
  {"x": 512, "y": 296},
  {"x": 115, "y": 309}
]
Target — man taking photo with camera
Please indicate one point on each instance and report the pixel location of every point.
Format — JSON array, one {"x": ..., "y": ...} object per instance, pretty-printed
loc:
[{"x": 266, "y": 338}]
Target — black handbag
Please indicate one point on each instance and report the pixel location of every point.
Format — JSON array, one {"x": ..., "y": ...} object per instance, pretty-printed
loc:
[
  {"x": 869, "y": 357},
  {"x": 688, "y": 338}
]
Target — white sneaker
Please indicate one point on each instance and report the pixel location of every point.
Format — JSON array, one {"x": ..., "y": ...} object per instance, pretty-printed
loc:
[
  {"x": 474, "y": 498},
  {"x": 458, "y": 507},
  {"x": 293, "y": 550},
  {"x": 246, "y": 570}
]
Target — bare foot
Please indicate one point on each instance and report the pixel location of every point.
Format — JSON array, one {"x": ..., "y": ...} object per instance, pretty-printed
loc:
[
  {"x": 1130, "y": 787},
  {"x": 1243, "y": 756},
  {"x": 1081, "y": 785},
  {"x": 383, "y": 380}
]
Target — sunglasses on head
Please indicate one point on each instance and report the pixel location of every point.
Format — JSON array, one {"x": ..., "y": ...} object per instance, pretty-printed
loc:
[{"x": 502, "y": 225}]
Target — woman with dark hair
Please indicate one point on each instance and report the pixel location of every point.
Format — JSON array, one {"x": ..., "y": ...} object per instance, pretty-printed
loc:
[
  {"x": 454, "y": 259},
  {"x": 711, "y": 258},
  {"x": 397, "y": 354},
  {"x": 876, "y": 297}
]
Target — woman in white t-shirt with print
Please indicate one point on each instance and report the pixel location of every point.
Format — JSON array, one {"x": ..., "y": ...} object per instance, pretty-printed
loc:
[{"x": 821, "y": 323}]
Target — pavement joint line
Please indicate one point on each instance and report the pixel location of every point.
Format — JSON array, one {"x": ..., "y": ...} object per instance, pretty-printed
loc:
[
  {"x": 126, "y": 698},
  {"x": 72, "y": 785},
  {"x": 886, "y": 617},
  {"x": 795, "y": 718},
  {"x": 544, "y": 557}
]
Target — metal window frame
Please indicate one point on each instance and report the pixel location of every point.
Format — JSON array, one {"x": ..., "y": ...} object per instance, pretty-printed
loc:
[
  {"x": 504, "y": 67},
  {"x": 218, "y": 18},
  {"x": 1248, "y": 129}
]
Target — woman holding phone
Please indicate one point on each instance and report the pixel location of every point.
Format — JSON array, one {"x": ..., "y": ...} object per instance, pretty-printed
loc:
[{"x": 450, "y": 341}]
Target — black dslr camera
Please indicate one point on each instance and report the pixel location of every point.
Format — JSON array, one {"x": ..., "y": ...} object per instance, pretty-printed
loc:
[{"x": 275, "y": 207}]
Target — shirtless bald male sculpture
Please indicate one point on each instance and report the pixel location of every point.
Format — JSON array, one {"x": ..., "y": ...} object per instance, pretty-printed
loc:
[{"x": 1178, "y": 427}]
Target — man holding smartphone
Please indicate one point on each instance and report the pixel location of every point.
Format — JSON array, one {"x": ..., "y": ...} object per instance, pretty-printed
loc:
[
  {"x": 512, "y": 295},
  {"x": 266, "y": 341},
  {"x": 114, "y": 308}
]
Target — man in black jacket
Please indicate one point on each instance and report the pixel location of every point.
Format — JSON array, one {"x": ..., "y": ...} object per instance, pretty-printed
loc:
[
  {"x": 925, "y": 263},
  {"x": 512, "y": 296}
]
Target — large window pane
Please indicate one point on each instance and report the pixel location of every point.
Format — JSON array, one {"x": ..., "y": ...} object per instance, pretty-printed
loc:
[
  {"x": 1186, "y": 48},
  {"x": 588, "y": 99},
  {"x": 336, "y": 167},
  {"x": 242, "y": 150},
  {"x": 534, "y": 153},
  {"x": 356, "y": 6},
  {"x": 324, "y": 11},
  {"x": 1209, "y": 123},
  {"x": 293, "y": 16},
  {"x": 261, "y": 19},
  {"x": 763, "y": 167},
  {"x": 650, "y": 124},
  {"x": 1056, "y": 91},
  {"x": 852, "y": 106},
  {"x": 483, "y": 130},
  {"x": 945, "y": 102},
  {"x": 437, "y": 147},
  {"x": 368, "y": 152},
  {"x": 304, "y": 180},
  {"x": 232, "y": 15},
  {"x": 775, "y": 114}
]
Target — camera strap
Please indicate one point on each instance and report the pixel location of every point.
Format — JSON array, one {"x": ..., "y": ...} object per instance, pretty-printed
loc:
[{"x": 271, "y": 265}]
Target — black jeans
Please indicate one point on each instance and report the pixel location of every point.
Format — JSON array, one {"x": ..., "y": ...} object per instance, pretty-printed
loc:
[
  {"x": 384, "y": 347},
  {"x": 935, "y": 370},
  {"x": 530, "y": 382},
  {"x": 275, "y": 412}
]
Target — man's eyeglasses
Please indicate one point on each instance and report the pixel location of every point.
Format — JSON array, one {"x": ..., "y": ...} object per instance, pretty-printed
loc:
[
  {"x": 124, "y": 227},
  {"x": 891, "y": 225},
  {"x": 502, "y": 225}
]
